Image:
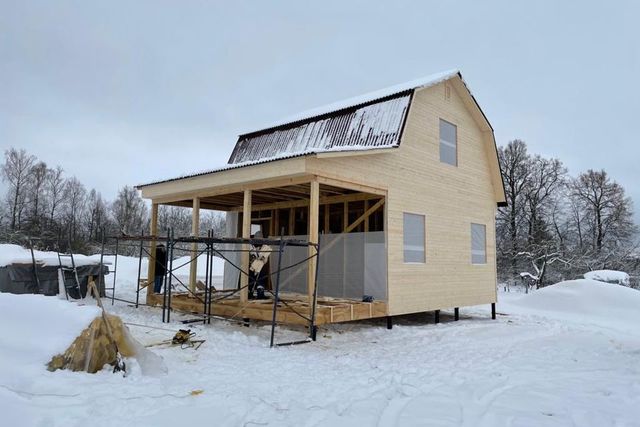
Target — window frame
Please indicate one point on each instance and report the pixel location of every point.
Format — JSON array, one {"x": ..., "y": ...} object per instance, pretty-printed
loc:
[
  {"x": 424, "y": 239},
  {"x": 447, "y": 143},
  {"x": 484, "y": 227}
]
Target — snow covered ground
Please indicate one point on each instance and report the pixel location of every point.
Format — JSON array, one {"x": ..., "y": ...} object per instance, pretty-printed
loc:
[{"x": 564, "y": 355}]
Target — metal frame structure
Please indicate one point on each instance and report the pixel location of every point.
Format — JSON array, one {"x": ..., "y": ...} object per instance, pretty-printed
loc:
[{"x": 212, "y": 295}]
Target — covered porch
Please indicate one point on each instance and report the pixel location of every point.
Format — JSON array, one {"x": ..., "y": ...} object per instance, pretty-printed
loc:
[{"x": 348, "y": 221}]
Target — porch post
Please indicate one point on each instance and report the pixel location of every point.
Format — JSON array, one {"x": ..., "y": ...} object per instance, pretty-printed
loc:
[
  {"x": 314, "y": 212},
  {"x": 151, "y": 269},
  {"x": 195, "y": 232},
  {"x": 246, "y": 233}
]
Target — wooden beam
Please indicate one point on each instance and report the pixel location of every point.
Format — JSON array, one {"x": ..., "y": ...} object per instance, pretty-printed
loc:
[
  {"x": 151, "y": 271},
  {"x": 314, "y": 213},
  {"x": 365, "y": 215},
  {"x": 366, "y": 220},
  {"x": 292, "y": 221},
  {"x": 351, "y": 197},
  {"x": 336, "y": 182},
  {"x": 195, "y": 231},
  {"x": 246, "y": 233},
  {"x": 327, "y": 213},
  {"x": 235, "y": 188},
  {"x": 345, "y": 216}
]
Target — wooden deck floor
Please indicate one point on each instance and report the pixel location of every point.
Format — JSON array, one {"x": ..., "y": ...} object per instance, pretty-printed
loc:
[{"x": 328, "y": 310}]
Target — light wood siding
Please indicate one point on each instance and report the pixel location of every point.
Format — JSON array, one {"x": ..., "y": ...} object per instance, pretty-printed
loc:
[{"x": 450, "y": 197}]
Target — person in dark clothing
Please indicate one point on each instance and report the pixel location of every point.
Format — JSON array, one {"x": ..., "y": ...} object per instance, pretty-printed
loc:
[{"x": 161, "y": 268}]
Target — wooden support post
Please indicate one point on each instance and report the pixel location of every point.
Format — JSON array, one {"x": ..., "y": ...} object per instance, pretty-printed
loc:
[
  {"x": 292, "y": 221},
  {"x": 345, "y": 216},
  {"x": 314, "y": 212},
  {"x": 437, "y": 316},
  {"x": 246, "y": 233},
  {"x": 389, "y": 322},
  {"x": 493, "y": 310},
  {"x": 456, "y": 314},
  {"x": 276, "y": 222},
  {"x": 151, "y": 271},
  {"x": 195, "y": 232},
  {"x": 366, "y": 219},
  {"x": 327, "y": 222}
]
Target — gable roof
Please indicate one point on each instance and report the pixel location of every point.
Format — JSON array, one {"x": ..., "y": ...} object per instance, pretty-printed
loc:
[
  {"x": 367, "y": 122},
  {"x": 371, "y": 121}
]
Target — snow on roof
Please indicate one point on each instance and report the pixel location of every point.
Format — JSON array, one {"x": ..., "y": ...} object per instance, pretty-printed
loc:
[
  {"x": 609, "y": 276},
  {"x": 370, "y": 126},
  {"x": 420, "y": 83},
  {"x": 14, "y": 254},
  {"x": 370, "y": 121}
]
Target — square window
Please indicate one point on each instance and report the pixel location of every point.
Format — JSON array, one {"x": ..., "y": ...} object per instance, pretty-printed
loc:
[
  {"x": 413, "y": 237},
  {"x": 478, "y": 244},
  {"x": 448, "y": 143}
]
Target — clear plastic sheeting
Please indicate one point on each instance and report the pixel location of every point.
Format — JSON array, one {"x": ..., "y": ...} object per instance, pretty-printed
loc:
[{"x": 351, "y": 266}]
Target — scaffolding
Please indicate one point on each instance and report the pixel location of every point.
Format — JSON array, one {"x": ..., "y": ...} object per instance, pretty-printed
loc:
[{"x": 210, "y": 296}]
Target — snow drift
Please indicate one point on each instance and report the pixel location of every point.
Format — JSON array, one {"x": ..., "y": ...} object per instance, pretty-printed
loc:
[
  {"x": 35, "y": 328},
  {"x": 609, "y": 276},
  {"x": 588, "y": 302}
]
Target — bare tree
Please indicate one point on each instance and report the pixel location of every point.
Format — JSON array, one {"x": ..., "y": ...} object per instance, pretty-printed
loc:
[
  {"x": 609, "y": 210},
  {"x": 39, "y": 173},
  {"x": 75, "y": 198},
  {"x": 515, "y": 165},
  {"x": 55, "y": 186},
  {"x": 130, "y": 211},
  {"x": 16, "y": 171}
]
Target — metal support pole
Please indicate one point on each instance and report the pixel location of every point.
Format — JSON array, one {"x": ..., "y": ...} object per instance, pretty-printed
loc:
[
  {"x": 139, "y": 272},
  {"x": 277, "y": 290},
  {"x": 493, "y": 310},
  {"x": 456, "y": 314},
  {"x": 210, "y": 280},
  {"x": 437, "y": 315},
  {"x": 206, "y": 301},
  {"x": 100, "y": 275},
  {"x": 164, "y": 292},
  {"x": 389, "y": 322},
  {"x": 115, "y": 271},
  {"x": 172, "y": 243}
]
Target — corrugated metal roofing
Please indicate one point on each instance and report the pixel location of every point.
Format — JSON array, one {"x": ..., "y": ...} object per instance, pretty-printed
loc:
[{"x": 377, "y": 125}]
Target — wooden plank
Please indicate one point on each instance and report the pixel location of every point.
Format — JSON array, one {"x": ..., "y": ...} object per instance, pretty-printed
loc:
[
  {"x": 195, "y": 231},
  {"x": 300, "y": 203},
  {"x": 362, "y": 217},
  {"x": 341, "y": 183},
  {"x": 314, "y": 212},
  {"x": 292, "y": 218},
  {"x": 151, "y": 269},
  {"x": 246, "y": 233}
]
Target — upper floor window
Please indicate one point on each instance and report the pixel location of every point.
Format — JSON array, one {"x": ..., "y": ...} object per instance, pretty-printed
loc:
[{"x": 448, "y": 143}]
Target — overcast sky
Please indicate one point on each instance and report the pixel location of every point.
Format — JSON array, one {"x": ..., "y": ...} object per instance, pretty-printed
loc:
[{"x": 121, "y": 93}]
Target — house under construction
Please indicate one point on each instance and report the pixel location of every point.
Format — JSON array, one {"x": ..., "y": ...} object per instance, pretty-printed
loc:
[{"x": 399, "y": 188}]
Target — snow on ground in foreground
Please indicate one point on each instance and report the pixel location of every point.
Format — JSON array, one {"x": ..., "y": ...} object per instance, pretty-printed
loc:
[
  {"x": 608, "y": 276},
  {"x": 531, "y": 367}
]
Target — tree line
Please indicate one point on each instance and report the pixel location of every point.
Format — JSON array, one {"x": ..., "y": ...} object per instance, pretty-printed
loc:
[
  {"x": 558, "y": 227},
  {"x": 58, "y": 211}
]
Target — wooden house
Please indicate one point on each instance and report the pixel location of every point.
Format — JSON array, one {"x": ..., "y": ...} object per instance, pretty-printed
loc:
[{"x": 414, "y": 165}]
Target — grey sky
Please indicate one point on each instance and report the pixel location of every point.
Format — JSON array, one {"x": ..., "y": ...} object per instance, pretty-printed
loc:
[{"x": 126, "y": 92}]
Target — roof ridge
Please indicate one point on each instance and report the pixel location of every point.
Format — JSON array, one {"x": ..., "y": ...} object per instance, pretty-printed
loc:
[{"x": 359, "y": 100}]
